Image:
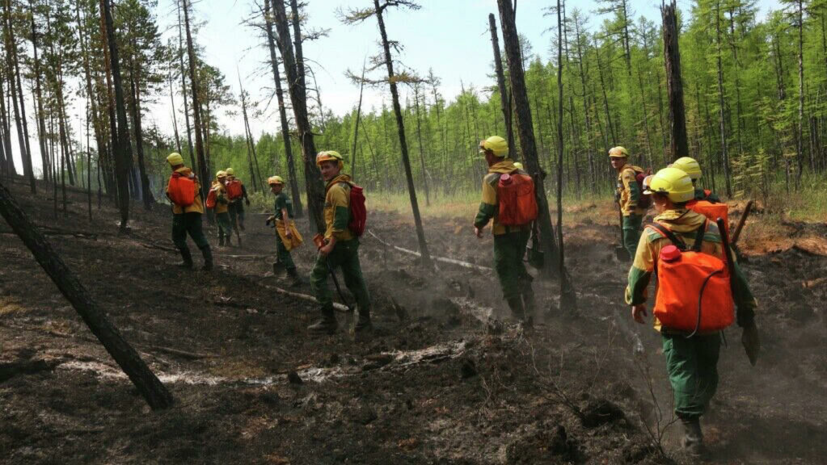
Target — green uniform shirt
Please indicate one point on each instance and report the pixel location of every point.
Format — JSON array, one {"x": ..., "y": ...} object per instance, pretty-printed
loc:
[{"x": 282, "y": 202}]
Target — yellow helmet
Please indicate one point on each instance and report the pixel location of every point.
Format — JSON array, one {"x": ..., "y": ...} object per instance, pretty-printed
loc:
[
  {"x": 329, "y": 155},
  {"x": 175, "y": 159},
  {"x": 618, "y": 152},
  {"x": 689, "y": 166},
  {"x": 221, "y": 174},
  {"x": 229, "y": 172},
  {"x": 496, "y": 144},
  {"x": 275, "y": 180},
  {"x": 518, "y": 165},
  {"x": 673, "y": 182}
]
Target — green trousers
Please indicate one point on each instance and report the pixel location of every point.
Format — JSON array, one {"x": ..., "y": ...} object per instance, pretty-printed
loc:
[
  {"x": 509, "y": 250},
  {"x": 188, "y": 223},
  {"x": 236, "y": 211},
  {"x": 283, "y": 255},
  {"x": 693, "y": 371},
  {"x": 631, "y": 233},
  {"x": 225, "y": 227},
  {"x": 345, "y": 255}
]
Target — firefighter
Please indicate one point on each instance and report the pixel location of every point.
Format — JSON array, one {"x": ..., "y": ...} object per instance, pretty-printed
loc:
[
  {"x": 509, "y": 240},
  {"x": 691, "y": 356},
  {"x": 287, "y": 237},
  {"x": 340, "y": 249},
  {"x": 186, "y": 217},
  {"x": 627, "y": 195},
  {"x": 237, "y": 195},
  {"x": 691, "y": 167},
  {"x": 218, "y": 192}
]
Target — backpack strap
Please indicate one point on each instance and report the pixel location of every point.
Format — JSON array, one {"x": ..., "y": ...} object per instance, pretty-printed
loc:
[
  {"x": 679, "y": 243},
  {"x": 699, "y": 237}
]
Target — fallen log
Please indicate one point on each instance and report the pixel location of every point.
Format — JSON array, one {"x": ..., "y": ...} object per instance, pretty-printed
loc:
[
  {"x": 450, "y": 261},
  {"x": 148, "y": 385},
  {"x": 336, "y": 305}
]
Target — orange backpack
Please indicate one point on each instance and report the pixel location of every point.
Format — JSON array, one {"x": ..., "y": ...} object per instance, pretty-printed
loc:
[
  {"x": 212, "y": 198},
  {"x": 181, "y": 190},
  {"x": 713, "y": 211},
  {"x": 694, "y": 288},
  {"x": 518, "y": 205},
  {"x": 234, "y": 189}
]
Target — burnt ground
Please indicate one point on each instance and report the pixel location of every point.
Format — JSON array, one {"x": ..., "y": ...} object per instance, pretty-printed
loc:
[{"x": 445, "y": 378}]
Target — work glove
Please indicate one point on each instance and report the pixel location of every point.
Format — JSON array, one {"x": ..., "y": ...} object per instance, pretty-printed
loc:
[
  {"x": 248, "y": 202},
  {"x": 751, "y": 343},
  {"x": 269, "y": 220}
]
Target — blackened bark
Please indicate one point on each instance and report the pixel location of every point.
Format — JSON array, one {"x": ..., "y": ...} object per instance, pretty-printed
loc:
[
  {"x": 505, "y": 98},
  {"x": 298, "y": 97},
  {"x": 525, "y": 130},
  {"x": 672, "y": 58},
  {"x": 285, "y": 131}
]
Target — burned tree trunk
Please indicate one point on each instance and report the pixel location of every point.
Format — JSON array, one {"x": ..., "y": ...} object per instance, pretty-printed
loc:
[
  {"x": 150, "y": 387},
  {"x": 525, "y": 130},
  {"x": 505, "y": 98},
  {"x": 285, "y": 131},
  {"x": 196, "y": 113},
  {"x": 298, "y": 96},
  {"x": 123, "y": 151},
  {"x": 568, "y": 298},
  {"x": 403, "y": 144},
  {"x": 672, "y": 58}
]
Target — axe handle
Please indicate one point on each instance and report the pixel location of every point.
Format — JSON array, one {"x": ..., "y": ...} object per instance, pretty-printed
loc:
[{"x": 741, "y": 222}]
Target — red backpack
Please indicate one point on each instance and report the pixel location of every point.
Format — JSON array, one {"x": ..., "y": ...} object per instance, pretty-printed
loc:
[
  {"x": 234, "y": 189},
  {"x": 181, "y": 190},
  {"x": 518, "y": 204},
  {"x": 358, "y": 211},
  {"x": 212, "y": 198},
  {"x": 644, "y": 200}
]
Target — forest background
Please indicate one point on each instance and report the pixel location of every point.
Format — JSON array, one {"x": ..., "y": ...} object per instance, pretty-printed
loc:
[{"x": 754, "y": 80}]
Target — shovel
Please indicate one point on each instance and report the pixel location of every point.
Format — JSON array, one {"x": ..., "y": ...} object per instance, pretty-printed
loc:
[{"x": 318, "y": 239}]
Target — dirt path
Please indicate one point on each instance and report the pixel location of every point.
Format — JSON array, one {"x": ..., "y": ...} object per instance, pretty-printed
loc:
[{"x": 439, "y": 382}]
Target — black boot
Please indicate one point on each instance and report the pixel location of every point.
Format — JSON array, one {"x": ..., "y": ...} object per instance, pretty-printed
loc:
[
  {"x": 327, "y": 324},
  {"x": 516, "y": 306},
  {"x": 207, "y": 253},
  {"x": 278, "y": 268},
  {"x": 693, "y": 439},
  {"x": 364, "y": 324},
  {"x": 187, "y": 256}
]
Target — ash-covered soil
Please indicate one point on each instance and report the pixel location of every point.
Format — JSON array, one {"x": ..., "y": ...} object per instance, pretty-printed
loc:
[{"x": 445, "y": 378}]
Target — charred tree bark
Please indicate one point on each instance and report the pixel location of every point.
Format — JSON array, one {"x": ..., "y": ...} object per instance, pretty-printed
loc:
[
  {"x": 123, "y": 150},
  {"x": 298, "y": 97},
  {"x": 672, "y": 58},
  {"x": 196, "y": 113},
  {"x": 11, "y": 50},
  {"x": 41, "y": 123},
  {"x": 403, "y": 144},
  {"x": 14, "y": 87},
  {"x": 184, "y": 91},
  {"x": 505, "y": 97},
  {"x": 285, "y": 130},
  {"x": 525, "y": 130},
  {"x": 721, "y": 104},
  {"x": 146, "y": 191},
  {"x": 356, "y": 125},
  {"x": 568, "y": 298},
  {"x": 148, "y": 385},
  {"x": 421, "y": 147}
]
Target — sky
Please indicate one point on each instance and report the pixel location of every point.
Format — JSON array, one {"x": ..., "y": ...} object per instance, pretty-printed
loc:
[{"x": 449, "y": 36}]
